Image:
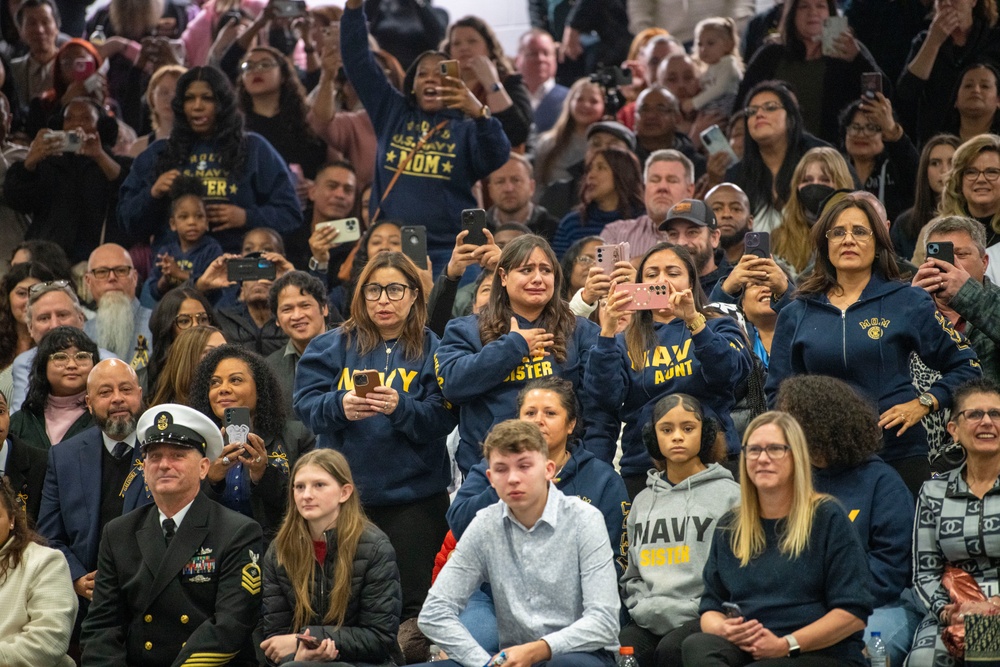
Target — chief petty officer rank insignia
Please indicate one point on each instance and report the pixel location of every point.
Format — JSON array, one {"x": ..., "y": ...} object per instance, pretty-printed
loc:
[{"x": 251, "y": 575}]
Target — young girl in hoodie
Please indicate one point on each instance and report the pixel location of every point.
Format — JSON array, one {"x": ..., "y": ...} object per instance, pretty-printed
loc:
[{"x": 670, "y": 529}]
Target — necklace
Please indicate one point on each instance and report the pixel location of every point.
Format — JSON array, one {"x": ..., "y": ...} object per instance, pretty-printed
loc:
[
  {"x": 388, "y": 353},
  {"x": 564, "y": 462}
]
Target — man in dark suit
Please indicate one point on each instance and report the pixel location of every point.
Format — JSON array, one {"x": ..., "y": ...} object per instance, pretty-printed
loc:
[
  {"x": 22, "y": 465},
  {"x": 178, "y": 582},
  {"x": 96, "y": 475}
]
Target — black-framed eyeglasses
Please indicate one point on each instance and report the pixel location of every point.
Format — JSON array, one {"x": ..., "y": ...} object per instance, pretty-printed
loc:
[
  {"x": 775, "y": 452},
  {"x": 857, "y": 232},
  {"x": 104, "y": 273},
  {"x": 61, "y": 359},
  {"x": 259, "y": 66},
  {"x": 979, "y": 415},
  {"x": 972, "y": 174},
  {"x": 867, "y": 129},
  {"x": 373, "y": 291},
  {"x": 196, "y": 319},
  {"x": 769, "y": 107}
]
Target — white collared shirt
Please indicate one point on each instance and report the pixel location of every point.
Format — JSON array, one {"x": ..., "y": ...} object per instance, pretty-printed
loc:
[
  {"x": 4, "y": 454},
  {"x": 539, "y": 95},
  {"x": 178, "y": 518},
  {"x": 110, "y": 444}
]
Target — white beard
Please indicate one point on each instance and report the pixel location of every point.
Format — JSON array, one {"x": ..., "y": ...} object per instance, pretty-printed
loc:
[{"x": 116, "y": 326}]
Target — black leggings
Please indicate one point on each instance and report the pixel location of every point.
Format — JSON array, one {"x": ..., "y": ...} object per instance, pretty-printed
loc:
[
  {"x": 651, "y": 650},
  {"x": 706, "y": 650},
  {"x": 416, "y": 531}
]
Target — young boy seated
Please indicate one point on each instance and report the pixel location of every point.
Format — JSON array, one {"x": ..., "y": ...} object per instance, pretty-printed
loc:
[
  {"x": 547, "y": 558},
  {"x": 191, "y": 251}
]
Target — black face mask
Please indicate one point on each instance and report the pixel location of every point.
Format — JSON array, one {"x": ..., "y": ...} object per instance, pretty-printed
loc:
[{"x": 812, "y": 197}]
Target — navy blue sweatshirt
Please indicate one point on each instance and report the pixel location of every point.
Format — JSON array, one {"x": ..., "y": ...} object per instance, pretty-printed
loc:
[
  {"x": 483, "y": 380},
  {"x": 869, "y": 345},
  {"x": 787, "y": 594},
  {"x": 592, "y": 480},
  {"x": 395, "y": 458},
  {"x": 707, "y": 366},
  {"x": 880, "y": 508},
  {"x": 437, "y": 183}
]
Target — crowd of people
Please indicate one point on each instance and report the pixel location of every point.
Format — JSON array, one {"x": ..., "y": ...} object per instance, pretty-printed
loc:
[{"x": 342, "y": 336}]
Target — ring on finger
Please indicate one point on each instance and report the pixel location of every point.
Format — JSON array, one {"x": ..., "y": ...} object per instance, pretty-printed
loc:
[{"x": 225, "y": 460}]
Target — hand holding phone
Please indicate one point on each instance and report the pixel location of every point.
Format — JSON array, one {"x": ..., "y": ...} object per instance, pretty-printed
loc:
[
  {"x": 943, "y": 251},
  {"x": 833, "y": 27},
  {"x": 732, "y": 610},
  {"x": 308, "y": 641}
]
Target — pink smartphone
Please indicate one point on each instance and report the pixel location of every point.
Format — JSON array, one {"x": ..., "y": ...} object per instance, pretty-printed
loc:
[{"x": 646, "y": 296}]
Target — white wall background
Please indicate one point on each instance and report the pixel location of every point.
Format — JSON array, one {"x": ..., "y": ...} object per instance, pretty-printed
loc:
[{"x": 509, "y": 18}]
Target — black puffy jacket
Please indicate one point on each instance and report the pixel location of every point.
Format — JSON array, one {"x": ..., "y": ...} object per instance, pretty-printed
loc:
[{"x": 371, "y": 622}]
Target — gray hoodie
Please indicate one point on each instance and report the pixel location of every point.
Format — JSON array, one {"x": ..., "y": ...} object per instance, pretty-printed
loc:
[{"x": 670, "y": 531}]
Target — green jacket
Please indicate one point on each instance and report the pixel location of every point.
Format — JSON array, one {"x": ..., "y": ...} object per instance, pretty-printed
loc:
[
  {"x": 979, "y": 305},
  {"x": 30, "y": 428}
]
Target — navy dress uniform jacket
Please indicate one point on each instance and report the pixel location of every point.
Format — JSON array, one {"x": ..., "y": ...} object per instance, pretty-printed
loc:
[{"x": 193, "y": 603}]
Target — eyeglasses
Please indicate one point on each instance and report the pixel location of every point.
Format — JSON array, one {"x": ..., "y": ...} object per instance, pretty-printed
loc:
[
  {"x": 769, "y": 107},
  {"x": 972, "y": 174},
  {"x": 858, "y": 128},
  {"x": 774, "y": 452},
  {"x": 373, "y": 291},
  {"x": 858, "y": 233},
  {"x": 259, "y": 66},
  {"x": 187, "y": 321},
  {"x": 586, "y": 260},
  {"x": 105, "y": 273},
  {"x": 61, "y": 359},
  {"x": 979, "y": 415},
  {"x": 38, "y": 288}
]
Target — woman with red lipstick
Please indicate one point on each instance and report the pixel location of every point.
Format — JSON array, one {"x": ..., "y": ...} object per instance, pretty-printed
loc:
[{"x": 854, "y": 319}]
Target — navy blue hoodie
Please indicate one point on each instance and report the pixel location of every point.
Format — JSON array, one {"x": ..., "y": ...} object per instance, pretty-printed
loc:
[
  {"x": 880, "y": 508},
  {"x": 584, "y": 476},
  {"x": 484, "y": 380},
  {"x": 707, "y": 366},
  {"x": 396, "y": 458},
  {"x": 869, "y": 345},
  {"x": 437, "y": 183}
]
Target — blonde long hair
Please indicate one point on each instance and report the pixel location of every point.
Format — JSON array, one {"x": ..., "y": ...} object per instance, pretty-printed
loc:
[
  {"x": 294, "y": 547},
  {"x": 792, "y": 239},
  {"x": 563, "y": 130},
  {"x": 953, "y": 200},
  {"x": 747, "y": 533}
]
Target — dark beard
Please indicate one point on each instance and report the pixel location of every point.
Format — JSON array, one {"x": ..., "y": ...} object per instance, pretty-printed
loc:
[
  {"x": 117, "y": 428},
  {"x": 731, "y": 240}
]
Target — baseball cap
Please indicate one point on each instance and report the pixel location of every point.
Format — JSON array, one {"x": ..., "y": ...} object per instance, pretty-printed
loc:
[
  {"x": 692, "y": 210},
  {"x": 615, "y": 129}
]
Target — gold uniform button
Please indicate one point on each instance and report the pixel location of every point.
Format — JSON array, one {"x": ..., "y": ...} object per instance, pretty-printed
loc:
[
  {"x": 149, "y": 646},
  {"x": 184, "y": 618},
  {"x": 148, "y": 618}
]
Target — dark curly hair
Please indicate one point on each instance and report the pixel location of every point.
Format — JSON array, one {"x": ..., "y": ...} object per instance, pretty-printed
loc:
[
  {"x": 228, "y": 136},
  {"x": 17, "y": 273},
  {"x": 185, "y": 186},
  {"x": 709, "y": 427},
  {"x": 269, "y": 418},
  {"x": 54, "y": 341},
  {"x": 978, "y": 386},
  {"x": 161, "y": 325},
  {"x": 50, "y": 254},
  {"x": 292, "y": 105},
  {"x": 840, "y": 426}
]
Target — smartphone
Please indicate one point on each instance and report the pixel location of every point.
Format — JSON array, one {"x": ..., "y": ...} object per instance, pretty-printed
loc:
[
  {"x": 415, "y": 244},
  {"x": 364, "y": 381},
  {"x": 288, "y": 9},
  {"x": 348, "y": 229},
  {"x": 309, "y": 641},
  {"x": 236, "y": 422},
  {"x": 732, "y": 610},
  {"x": 757, "y": 243},
  {"x": 646, "y": 296},
  {"x": 92, "y": 84},
  {"x": 714, "y": 140},
  {"x": 83, "y": 68},
  {"x": 871, "y": 83},
  {"x": 609, "y": 255},
  {"x": 942, "y": 250},
  {"x": 832, "y": 29},
  {"x": 69, "y": 142},
  {"x": 450, "y": 68},
  {"x": 250, "y": 268},
  {"x": 474, "y": 220}
]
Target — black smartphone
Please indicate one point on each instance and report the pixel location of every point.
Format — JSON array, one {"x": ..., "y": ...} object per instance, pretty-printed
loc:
[
  {"x": 250, "y": 268},
  {"x": 236, "y": 422},
  {"x": 757, "y": 243},
  {"x": 474, "y": 220},
  {"x": 415, "y": 244},
  {"x": 871, "y": 83},
  {"x": 732, "y": 610},
  {"x": 309, "y": 641},
  {"x": 942, "y": 250}
]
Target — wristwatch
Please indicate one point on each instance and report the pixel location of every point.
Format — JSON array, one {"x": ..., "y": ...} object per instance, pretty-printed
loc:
[
  {"x": 314, "y": 265},
  {"x": 927, "y": 400},
  {"x": 793, "y": 646}
]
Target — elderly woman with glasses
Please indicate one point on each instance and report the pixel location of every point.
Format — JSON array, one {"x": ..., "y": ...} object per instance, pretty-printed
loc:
[
  {"x": 368, "y": 389},
  {"x": 55, "y": 407},
  {"x": 854, "y": 319},
  {"x": 947, "y": 532}
]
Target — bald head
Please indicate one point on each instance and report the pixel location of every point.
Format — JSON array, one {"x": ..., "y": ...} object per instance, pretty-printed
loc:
[
  {"x": 110, "y": 269},
  {"x": 732, "y": 212},
  {"x": 114, "y": 398},
  {"x": 115, "y": 369}
]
